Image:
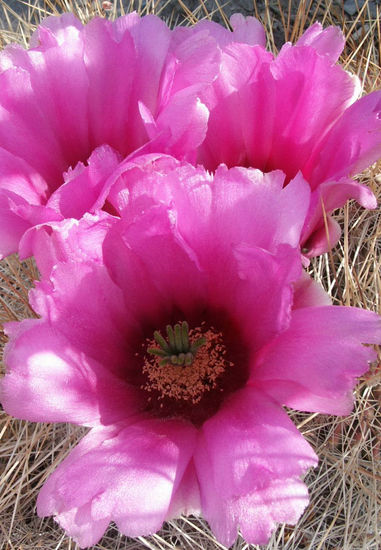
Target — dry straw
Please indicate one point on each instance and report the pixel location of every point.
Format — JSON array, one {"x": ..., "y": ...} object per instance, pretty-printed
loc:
[{"x": 345, "y": 508}]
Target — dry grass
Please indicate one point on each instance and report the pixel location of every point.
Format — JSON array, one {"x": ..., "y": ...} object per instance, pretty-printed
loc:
[{"x": 344, "y": 513}]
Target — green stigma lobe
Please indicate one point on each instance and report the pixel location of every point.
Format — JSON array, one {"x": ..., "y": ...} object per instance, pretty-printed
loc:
[{"x": 177, "y": 349}]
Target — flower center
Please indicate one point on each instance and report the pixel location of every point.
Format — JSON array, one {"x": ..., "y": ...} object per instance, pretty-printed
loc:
[
  {"x": 177, "y": 349},
  {"x": 187, "y": 364}
]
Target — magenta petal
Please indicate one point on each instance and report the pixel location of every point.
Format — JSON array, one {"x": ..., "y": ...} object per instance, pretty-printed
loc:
[
  {"x": 150, "y": 60},
  {"x": 12, "y": 225},
  {"x": 186, "y": 498},
  {"x": 111, "y": 68},
  {"x": 335, "y": 194},
  {"x": 88, "y": 309},
  {"x": 239, "y": 206},
  {"x": 327, "y": 340},
  {"x": 59, "y": 93},
  {"x": 68, "y": 240},
  {"x": 29, "y": 135},
  {"x": 252, "y": 482},
  {"x": 259, "y": 120},
  {"x": 322, "y": 238},
  {"x": 328, "y": 42},
  {"x": 20, "y": 178},
  {"x": 85, "y": 188},
  {"x": 135, "y": 471},
  {"x": 353, "y": 143},
  {"x": 319, "y": 235},
  {"x": 308, "y": 293},
  {"x": 147, "y": 259},
  {"x": 186, "y": 133},
  {"x": 16, "y": 217},
  {"x": 307, "y": 88},
  {"x": 49, "y": 380},
  {"x": 264, "y": 296}
]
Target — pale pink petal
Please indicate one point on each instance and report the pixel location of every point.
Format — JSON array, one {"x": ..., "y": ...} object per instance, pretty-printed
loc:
[
  {"x": 135, "y": 471},
  {"x": 139, "y": 175},
  {"x": 55, "y": 30},
  {"x": 193, "y": 62},
  {"x": 282, "y": 502},
  {"x": 81, "y": 525},
  {"x": 328, "y": 42},
  {"x": 246, "y": 30},
  {"x": 251, "y": 482},
  {"x": 191, "y": 65},
  {"x": 49, "y": 380},
  {"x": 314, "y": 364}
]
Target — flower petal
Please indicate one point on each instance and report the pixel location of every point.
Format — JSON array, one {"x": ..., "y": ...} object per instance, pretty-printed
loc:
[
  {"x": 135, "y": 471},
  {"x": 49, "y": 380},
  {"x": 328, "y": 42},
  {"x": 252, "y": 482},
  {"x": 16, "y": 217},
  {"x": 24, "y": 129},
  {"x": 314, "y": 364},
  {"x": 246, "y": 30},
  {"x": 83, "y": 303},
  {"x": 308, "y": 293},
  {"x": 186, "y": 498},
  {"x": 259, "y": 120},
  {"x": 149, "y": 262},
  {"x": 85, "y": 188},
  {"x": 12, "y": 225},
  {"x": 352, "y": 144}
]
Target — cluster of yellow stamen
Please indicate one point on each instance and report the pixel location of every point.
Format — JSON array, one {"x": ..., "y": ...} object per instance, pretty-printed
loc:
[{"x": 185, "y": 376}]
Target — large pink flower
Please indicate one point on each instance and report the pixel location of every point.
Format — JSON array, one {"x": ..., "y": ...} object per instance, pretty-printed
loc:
[
  {"x": 97, "y": 91},
  {"x": 177, "y": 332},
  {"x": 295, "y": 112}
]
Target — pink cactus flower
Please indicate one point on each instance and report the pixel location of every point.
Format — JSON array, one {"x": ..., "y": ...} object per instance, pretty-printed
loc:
[
  {"x": 297, "y": 111},
  {"x": 176, "y": 333},
  {"x": 119, "y": 85},
  {"x": 82, "y": 98}
]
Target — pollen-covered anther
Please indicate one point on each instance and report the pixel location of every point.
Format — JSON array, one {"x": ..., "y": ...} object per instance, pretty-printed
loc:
[{"x": 187, "y": 376}]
